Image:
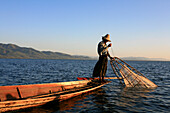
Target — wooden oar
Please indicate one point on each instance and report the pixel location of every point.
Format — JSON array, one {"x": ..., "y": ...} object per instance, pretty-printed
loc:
[{"x": 87, "y": 78}]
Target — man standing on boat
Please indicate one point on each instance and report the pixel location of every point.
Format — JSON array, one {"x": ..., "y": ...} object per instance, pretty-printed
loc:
[{"x": 101, "y": 66}]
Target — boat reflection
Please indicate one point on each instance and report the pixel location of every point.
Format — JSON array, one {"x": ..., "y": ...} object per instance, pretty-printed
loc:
[{"x": 62, "y": 106}]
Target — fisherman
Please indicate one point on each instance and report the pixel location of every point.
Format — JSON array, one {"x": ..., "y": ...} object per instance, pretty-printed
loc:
[{"x": 101, "y": 66}]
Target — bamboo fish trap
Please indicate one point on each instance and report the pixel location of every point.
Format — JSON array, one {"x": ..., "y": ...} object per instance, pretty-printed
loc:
[{"x": 131, "y": 77}]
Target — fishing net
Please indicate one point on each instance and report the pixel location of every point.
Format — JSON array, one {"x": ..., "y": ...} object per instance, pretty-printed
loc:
[{"x": 131, "y": 77}]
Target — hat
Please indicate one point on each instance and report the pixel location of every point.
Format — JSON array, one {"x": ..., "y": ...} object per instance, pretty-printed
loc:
[{"x": 106, "y": 37}]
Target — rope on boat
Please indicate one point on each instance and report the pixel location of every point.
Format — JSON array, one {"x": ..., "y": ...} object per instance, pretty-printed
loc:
[{"x": 131, "y": 76}]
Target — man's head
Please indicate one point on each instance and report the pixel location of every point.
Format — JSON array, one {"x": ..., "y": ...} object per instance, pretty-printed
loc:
[{"x": 106, "y": 38}]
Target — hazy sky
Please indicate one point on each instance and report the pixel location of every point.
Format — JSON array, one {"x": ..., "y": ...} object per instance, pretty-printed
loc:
[{"x": 139, "y": 28}]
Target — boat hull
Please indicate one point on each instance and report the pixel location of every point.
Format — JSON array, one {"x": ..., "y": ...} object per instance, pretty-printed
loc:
[{"x": 80, "y": 88}]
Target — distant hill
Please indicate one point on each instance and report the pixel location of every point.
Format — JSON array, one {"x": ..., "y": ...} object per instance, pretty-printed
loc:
[
  {"x": 143, "y": 59},
  {"x": 16, "y": 52}
]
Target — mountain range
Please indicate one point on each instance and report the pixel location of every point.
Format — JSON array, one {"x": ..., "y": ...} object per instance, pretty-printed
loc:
[
  {"x": 12, "y": 51},
  {"x": 143, "y": 59}
]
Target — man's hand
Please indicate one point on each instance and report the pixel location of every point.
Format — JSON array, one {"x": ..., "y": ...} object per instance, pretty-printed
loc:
[
  {"x": 110, "y": 45},
  {"x": 112, "y": 58}
]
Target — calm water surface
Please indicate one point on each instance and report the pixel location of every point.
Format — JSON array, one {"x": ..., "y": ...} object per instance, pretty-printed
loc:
[{"x": 111, "y": 98}]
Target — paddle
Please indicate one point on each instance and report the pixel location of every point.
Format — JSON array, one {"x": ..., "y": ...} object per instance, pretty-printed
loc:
[{"x": 87, "y": 78}]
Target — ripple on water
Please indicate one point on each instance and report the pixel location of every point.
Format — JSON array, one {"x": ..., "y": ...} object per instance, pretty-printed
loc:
[{"x": 108, "y": 99}]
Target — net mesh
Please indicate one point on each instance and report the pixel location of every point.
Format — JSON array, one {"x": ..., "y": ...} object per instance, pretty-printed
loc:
[{"x": 131, "y": 77}]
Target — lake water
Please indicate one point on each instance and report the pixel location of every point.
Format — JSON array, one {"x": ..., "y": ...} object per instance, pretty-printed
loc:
[{"x": 111, "y": 98}]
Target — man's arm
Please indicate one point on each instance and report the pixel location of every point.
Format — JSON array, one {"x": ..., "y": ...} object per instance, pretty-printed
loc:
[
  {"x": 111, "y": 58},
  {"x": 108, "y": 52}
]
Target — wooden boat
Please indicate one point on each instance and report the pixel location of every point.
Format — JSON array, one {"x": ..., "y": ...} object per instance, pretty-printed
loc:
[{"x": 24, "y": 96}]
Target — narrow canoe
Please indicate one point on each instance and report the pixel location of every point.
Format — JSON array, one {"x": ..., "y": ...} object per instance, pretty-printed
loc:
[{"x": 24, "y": 96}]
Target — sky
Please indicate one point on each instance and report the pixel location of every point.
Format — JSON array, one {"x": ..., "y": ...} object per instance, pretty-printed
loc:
[{"x": 138, "y": 28}]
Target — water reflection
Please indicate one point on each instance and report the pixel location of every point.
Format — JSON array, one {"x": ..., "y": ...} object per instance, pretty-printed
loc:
[
  {"x": 133, "y": 99},
  {"x": 69, "y": 105},
  {"x": 136, "y": 92},
  {"x": 114, "y": 98}
]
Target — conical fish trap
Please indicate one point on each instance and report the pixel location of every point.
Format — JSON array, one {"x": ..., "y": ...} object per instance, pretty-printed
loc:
[{"x": 131, "y": 77}]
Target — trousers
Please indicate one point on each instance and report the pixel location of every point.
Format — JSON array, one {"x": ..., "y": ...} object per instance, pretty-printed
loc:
[{"x": 100, "y": 67}]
